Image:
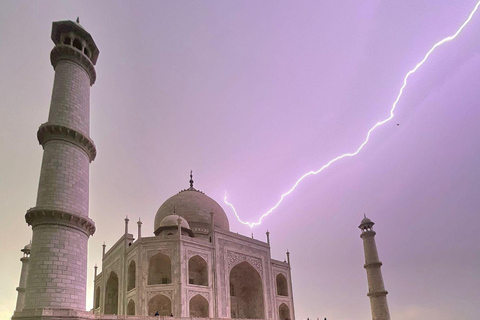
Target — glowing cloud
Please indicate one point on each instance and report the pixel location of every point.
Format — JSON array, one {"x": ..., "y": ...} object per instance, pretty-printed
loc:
[{"x": 378, "y": 124}]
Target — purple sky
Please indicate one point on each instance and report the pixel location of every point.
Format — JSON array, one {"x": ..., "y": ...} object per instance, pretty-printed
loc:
[{"x": 251, "y": 95}]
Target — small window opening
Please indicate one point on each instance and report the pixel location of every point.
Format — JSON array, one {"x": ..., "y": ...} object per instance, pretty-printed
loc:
[
  {"x": 77, "y": 44},
  {"x": 67, "y": 40}
]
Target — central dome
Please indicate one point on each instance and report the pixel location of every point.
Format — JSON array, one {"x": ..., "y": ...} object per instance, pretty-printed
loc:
[{"x": 195, "y": 207}]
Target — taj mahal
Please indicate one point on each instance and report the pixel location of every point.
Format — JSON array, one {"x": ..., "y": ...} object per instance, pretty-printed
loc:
[
  {"x": 190, "y": 266},
  {"x": 193, "y": 266}
]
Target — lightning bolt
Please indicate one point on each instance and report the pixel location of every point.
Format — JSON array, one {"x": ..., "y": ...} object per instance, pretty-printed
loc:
[{"x": 378, "y": 124}]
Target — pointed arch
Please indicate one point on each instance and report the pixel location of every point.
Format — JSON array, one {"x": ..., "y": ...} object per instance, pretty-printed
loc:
[
  {"x": 97, "y": 298},
  {"x": 132, "y": 269},
  {"x": 159, "y": 269},
  {"x": 282, "y": 287},
  {"x": 197, "y": 271},
  {"x": 283, "y": 312},
  {"x": 111, "y": 294},
  {"x": 246, "y": 285},
  {"x": 199, "y": 307},
  {"x": 131, "y": 308},
  {"x": 160, "y": 304}
]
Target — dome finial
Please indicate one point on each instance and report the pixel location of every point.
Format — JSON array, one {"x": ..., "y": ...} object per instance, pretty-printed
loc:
[
  {"x": 191, "y": 179},
  {"x": 78, "y": 19}
]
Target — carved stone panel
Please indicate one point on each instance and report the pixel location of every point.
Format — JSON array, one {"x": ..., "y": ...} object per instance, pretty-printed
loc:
[
  {"x": 167, "y": 252},
  {"x": 202, "y": 255},
  {"x": 167, "y": 293},
  {"x": 235, "y": 258},
  {"x": 193, "y": 293}
]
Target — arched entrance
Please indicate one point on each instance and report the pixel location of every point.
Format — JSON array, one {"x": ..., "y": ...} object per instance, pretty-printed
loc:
[
  {"x": 246, "y": 292},
  {"x": 159, "y": 269},
  {"x": 131, "y": 308},
  {"x": 111, "y": 294},
  {"x": 197, "y": 271},
  {"x": 282, "y": 289},
  {"x": 283, "y": 312},
  {"x": 199, "y": 307},
  {"x": 160, "y": 303}
]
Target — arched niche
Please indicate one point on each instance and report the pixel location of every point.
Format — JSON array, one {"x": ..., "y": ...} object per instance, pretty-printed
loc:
[
  {"x": 160, "y": 304},
  {"x": 283, "y": 312},
  {"x": 111, "y": 294},
  {"x": 97, "y": 298},
  {"x": 132, "y": 269},
  {"x": 199, "y": 307},
  {"x": 131, "y": 308},
  {"x": 159, "y": 269},
  {"x": 282, "y": 287},
  {"x": 197, "y": 271},
  {"x": 246, "y": 292}
]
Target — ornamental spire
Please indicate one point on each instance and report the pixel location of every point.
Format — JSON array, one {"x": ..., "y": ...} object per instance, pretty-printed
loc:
[{"x": 191, "y": 179}]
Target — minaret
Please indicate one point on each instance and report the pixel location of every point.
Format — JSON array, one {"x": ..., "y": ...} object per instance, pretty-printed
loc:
[
  {"x": 23, "y": 278},
  {"x": 376, "y": 288},
  {"x": 139, "y": 223},
  {"x": 57, "y": 276}
]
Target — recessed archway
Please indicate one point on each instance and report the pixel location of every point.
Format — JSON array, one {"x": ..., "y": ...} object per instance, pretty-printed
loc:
[
  {"x": 197, "y": 271},
  {"x": 159, "y": 269},
  {"x": 198, "y": 307},
  {"x": 160, "y": 304},
  {"x": 282, "y": 288},
  {"x": 97, "y": 298},
  {"x": 283, "y": 312},
  {"x": 131, "y": 275},
  {"x": 131, "y": 308},
  {"x": 111, "y": 294},
  {"x": 246, "y": 292}
]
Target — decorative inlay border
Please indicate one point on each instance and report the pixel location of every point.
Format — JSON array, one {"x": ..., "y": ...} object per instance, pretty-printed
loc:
[
  {"x": 377, "y": 294},
  {"x": 372, "y": 265},
  {"x": 202, "y": 255},
  {"x": 235, "y": 258},
  {"x": 132, "y": 294},
  {"x": 152, "y": 252},
  {"x": 283, "y": 301},
  {"x": 39, "y": 216},
  {"x": 66, "y": 52},
  {"x": 192, "y": 293},
  {"x": 166, "y": 293},
  {"x": 48, "y": 132},
  {"x": 113, "y": 267}
]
